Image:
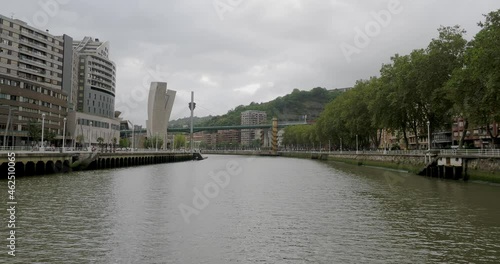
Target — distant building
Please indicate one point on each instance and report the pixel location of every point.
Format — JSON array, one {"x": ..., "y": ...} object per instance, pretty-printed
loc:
[
  {"x": 251, "y": 117},
  {"x": 477, "y": 137},
  {"x": 343, "y": 89},
  {"x": 228, "y": 136},
  {"x": 160, "y": 103}
]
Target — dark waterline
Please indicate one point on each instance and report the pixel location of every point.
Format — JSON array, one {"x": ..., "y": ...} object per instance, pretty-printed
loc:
[{"x": 273, "y": 210}]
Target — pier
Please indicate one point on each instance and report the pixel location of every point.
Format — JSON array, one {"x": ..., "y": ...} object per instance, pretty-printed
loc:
[{"x": 42, "y": 163}]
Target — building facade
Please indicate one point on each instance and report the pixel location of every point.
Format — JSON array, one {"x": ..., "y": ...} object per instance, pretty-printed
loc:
[
  {"x": 476, "y": 137},
  {"x": 85, "y": 129},
  {"x": 31, "y": 82},
  {"x": 251, "y": 117},
  {"x": 96, "y": 78}
]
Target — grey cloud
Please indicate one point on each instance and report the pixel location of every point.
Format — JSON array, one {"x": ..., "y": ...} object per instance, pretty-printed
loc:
[{"x": 275, "y": 45}]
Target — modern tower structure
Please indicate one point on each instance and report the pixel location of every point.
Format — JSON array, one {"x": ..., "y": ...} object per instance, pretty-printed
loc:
[
  {"x": 160, "y": 103},
  {"x": 31, "y": 81}
]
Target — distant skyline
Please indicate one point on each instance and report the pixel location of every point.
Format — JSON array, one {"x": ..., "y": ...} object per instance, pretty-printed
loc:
[{"x": 251, "y": 51}]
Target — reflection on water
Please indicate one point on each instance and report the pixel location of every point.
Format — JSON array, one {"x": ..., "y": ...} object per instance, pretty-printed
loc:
[{"x": 276, "y": 210}]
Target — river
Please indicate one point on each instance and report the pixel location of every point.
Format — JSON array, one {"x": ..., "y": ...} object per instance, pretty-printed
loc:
[{"x": 237, "y": 209}]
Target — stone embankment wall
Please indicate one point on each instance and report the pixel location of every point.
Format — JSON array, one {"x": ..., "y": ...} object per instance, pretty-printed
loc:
[
  {"x": 411, "y": 160},
  {"x": 482, "y": 169},
  {"x": 491, "y": 165}
]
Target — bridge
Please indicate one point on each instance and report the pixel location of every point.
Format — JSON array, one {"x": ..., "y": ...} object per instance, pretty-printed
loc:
[{"x": 216, "y": 128}]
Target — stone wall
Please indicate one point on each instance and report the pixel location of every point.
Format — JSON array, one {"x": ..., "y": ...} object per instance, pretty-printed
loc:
[{"x": 488, "y": 165}]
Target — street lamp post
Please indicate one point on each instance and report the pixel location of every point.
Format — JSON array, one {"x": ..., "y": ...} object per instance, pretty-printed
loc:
[
  {"x": 192, "y": 106},
  {"x": 64, "y": 133},
  {"x": 133, "y": 135},
  {"x": 429, "y": 139},
  {"x": 357, "y": 144},
  {"x": 428, "y": 135},
  {"x": 385, "y": 142},
  {"x": 90, "y": 138},
  {"x": 173, "y": 143},
  {"x": 156, "y": 143},
  {"x": 43, "y": 126},
  {"x": 6, "y": 128},
  {"x": 340, "y": 145}
]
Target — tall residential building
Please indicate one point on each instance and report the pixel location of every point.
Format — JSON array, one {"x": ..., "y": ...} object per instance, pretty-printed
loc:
[
  {"x": 31, "y": 81},
  {"x": 93, "y": 95},
  {"x": 96, "y": 78},
  {"x": 160, "y": 103},
  {"x": 251, "y": 117}
]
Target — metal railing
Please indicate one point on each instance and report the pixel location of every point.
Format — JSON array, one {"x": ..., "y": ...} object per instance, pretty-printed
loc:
[
  {"x": 472, "y": 152},
  {"x": 451, "y": 152},
  {"x": 26, "y": 149}
]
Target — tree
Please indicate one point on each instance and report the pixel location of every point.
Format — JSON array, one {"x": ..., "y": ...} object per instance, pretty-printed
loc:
[
  {"x": 34, "y": 130},
  {"x": 349, "y": 116},
  {"x": 50, "y": 136},
  {"x": 179, "y": 141},
  {"x": 124, "y": 143},
  {"x": 482, "y": 60},
  {"x": 100, "y": 142},
  {"x": 114, "y": 143},
  {"x": 466, "y": 94},
  {"x": 153, "y": 142},
  {"x": 79, "y": 139}
]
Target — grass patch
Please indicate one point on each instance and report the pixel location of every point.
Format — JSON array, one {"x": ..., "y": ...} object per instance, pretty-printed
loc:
[
  {"x": 479, "y": 175},
  {"x": 382, "y": 164}
]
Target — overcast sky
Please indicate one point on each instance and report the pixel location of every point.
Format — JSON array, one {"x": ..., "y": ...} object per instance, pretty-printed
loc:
[{"x": 232, "y": 52}]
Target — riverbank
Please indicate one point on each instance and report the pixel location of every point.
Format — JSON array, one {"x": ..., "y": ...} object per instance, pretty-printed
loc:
[{"x": 484, "y": 170}]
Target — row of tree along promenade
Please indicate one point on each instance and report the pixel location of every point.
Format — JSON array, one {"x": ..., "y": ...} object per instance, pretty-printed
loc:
[{"x": 452, "y": 86}]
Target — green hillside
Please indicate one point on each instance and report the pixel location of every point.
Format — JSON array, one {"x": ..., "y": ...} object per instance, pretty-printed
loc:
[
  {"x": 291, "y": 107},
  {"x": 181, "y": 122}
]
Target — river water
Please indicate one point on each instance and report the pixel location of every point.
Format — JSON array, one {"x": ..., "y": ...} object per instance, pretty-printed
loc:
[{"x": 236, "y": 209}]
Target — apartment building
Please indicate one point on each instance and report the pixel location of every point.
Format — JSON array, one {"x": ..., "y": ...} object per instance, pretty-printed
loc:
[
  {"x": 251, "y": 117},
  {"x": 31, "y": 81},
  {"x": 477, "y": 137},
  {"x": 56, "y": 83},
  {"x": 96, "y": 78}
]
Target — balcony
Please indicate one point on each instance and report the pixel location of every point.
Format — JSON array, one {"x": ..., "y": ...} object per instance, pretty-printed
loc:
[
  {"x": 28, "y": 60},
  {"x": 34, "y": 53},
  {"x": 36, "y": 71},
  {"x": 33, "y": 44},
  {"x": 34, "y": 34}
]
